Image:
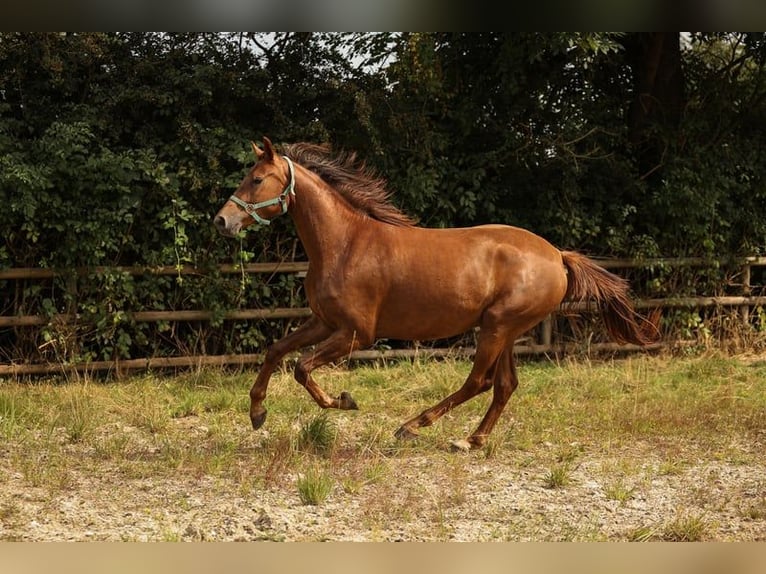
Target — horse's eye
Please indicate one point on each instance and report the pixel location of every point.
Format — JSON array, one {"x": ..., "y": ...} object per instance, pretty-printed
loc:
[{"x": 257, "y": 180}]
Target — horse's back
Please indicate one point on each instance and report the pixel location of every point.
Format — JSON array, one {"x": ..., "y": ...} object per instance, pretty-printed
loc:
[
  {"x": 481, "y": 251},
  {"x": 493, "y": 247},
  {"x": 519, "y": 237}
]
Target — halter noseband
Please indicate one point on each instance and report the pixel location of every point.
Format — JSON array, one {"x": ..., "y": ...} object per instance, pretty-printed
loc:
[{"x": 281, "y": 199}]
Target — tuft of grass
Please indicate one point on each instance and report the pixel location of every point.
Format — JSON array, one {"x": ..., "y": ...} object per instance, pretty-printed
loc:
[
  {"x": 168, "y": 534},
  {"x": 318, "y": 435},
  {"x": 78, "y": 413},
  {"x": 376, "y": 471},
  {"x": 753, "y": 511},
  {"x": 314, "y": 486},
  {"x": 364, "y": 472},
  {"x": 10, "y": 414},
  {"x": 558, "y": 476},
  {"x": 670, "y": 467},
  {"x": 569, "y": 453},
  {"x": 46, "y": 468},
  {"x": 152, "y": 418},
  {"x": 147, "y": 406},
  {"x": 682, "y": 528},
  {"x": 220, "y": 400},
  {"x": 188, "y": 404},
  {"x": 686, "y": 528},
  {"x": 642, "y": 534},
  {"x": 114, "y": 445},
  {"x": 619, "y": 491}
]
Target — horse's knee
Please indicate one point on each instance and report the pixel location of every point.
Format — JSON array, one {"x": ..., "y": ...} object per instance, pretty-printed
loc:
[{"x": 272, "y": 356}]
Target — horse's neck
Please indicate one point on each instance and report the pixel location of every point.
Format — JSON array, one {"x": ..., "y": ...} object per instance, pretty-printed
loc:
[{"x": 324, "y": 220}]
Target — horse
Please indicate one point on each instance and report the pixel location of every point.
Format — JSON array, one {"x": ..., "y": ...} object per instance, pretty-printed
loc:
[{"x": 374, "y": 273}]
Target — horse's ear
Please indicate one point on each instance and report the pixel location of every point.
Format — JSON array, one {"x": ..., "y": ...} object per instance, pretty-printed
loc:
[
  {"x": 257, "y": 151},
  {"x": 268, "y": 149}
]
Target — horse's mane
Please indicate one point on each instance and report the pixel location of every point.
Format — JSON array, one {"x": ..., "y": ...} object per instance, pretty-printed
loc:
[{"x": 358, "y": 184}]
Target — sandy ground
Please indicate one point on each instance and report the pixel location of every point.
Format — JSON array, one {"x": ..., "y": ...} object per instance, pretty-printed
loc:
[{"x": 437, "y": 497}]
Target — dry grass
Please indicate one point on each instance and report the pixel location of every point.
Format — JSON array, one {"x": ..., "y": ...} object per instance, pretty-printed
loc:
[{"x": 646, "y": 419}]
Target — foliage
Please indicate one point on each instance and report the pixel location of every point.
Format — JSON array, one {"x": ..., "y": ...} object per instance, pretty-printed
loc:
[{"x": 117, "y": 148}]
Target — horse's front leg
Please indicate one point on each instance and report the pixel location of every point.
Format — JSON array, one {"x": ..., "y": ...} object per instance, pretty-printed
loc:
[
  {"x": 340, "y": 344},
  {"x": 309, "y": 333}
]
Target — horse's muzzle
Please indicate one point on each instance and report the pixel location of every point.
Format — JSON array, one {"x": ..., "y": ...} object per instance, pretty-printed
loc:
[{"x": 225, "y": 227}]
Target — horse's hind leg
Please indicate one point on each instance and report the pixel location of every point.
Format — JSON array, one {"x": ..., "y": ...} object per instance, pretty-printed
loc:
[
  {"x": 488, "y": 350},
  {"x": 505, "y": 382},
  {"x": 310, "y": 332}
]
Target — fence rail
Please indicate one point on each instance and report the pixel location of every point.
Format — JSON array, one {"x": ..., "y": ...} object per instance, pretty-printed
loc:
[
  {"x": 39, "y": 273},
  {"x": 744, "y": 302}
]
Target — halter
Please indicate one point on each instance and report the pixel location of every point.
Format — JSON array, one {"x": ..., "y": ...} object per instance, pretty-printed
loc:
[{"x": 281, "y": 199}]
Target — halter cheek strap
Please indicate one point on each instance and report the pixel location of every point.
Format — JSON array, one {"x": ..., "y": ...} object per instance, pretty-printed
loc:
[{"x": 281, "y": 199}]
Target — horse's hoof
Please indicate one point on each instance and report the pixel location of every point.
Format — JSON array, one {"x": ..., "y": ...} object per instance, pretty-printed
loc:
[
  {"x": 346, "y": 403},
  {"x": 405, "y": 434},
  {"x": 460, "y": 445},
  {"x": 258, "y": 419}
]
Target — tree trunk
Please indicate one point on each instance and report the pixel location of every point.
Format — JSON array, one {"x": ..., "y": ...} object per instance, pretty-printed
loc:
[{"x": 655, "y": 113}]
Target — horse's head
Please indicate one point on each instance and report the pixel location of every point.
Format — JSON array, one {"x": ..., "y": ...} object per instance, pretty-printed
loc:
[{"x": 263, "y": 194}]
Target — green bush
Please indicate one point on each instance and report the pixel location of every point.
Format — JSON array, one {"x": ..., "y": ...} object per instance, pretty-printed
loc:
[{"x": 116, "y": 150}]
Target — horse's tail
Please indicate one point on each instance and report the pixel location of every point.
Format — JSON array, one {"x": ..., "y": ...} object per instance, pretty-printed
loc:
[{"x": 586, "y": 280}]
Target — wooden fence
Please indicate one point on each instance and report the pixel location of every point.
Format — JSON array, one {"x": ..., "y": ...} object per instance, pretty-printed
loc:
[{"x": 542, "y": 343}]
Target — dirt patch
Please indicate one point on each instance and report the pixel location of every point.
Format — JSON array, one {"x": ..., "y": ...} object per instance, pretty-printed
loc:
[{"x": 418, "y": 497}]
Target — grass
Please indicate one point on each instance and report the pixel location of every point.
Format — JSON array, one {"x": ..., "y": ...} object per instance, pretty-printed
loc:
[
  {"x": 314, "y": 486},
  {"x": 678, "y": 410},
  {"x": 618, "y": 490},
  {"x": 570, "y": 406},
  {"x": 317, "y": 434},
  {"x": 686, "y": 528},
  {"x": 681, "y": 528},
  {"x": 558, "y": 476},
  {"x": 78, "y": 414}
]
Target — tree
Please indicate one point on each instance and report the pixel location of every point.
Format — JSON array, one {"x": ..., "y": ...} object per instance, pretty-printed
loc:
[
  {"x": 657, "y": 104},
  {"x": 117, "y": 149}
]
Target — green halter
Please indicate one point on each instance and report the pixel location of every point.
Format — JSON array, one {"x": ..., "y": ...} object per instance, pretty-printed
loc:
[{"x": 281, "y": 199}]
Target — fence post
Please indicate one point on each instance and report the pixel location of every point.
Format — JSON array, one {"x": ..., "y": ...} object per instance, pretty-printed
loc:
[
  {"x": 547, "y": 331},
  {"x": 745, "y": 309}
]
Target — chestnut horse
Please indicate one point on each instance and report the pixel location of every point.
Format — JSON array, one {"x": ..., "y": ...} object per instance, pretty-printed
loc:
[{"x": 373, "y": 273}]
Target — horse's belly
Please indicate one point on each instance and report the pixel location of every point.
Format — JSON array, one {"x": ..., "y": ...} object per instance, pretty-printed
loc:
[{"x": 423, "y": 320}]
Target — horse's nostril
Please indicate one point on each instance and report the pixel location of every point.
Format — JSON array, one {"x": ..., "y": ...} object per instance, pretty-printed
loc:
[{"x": 219, "y": 222}]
